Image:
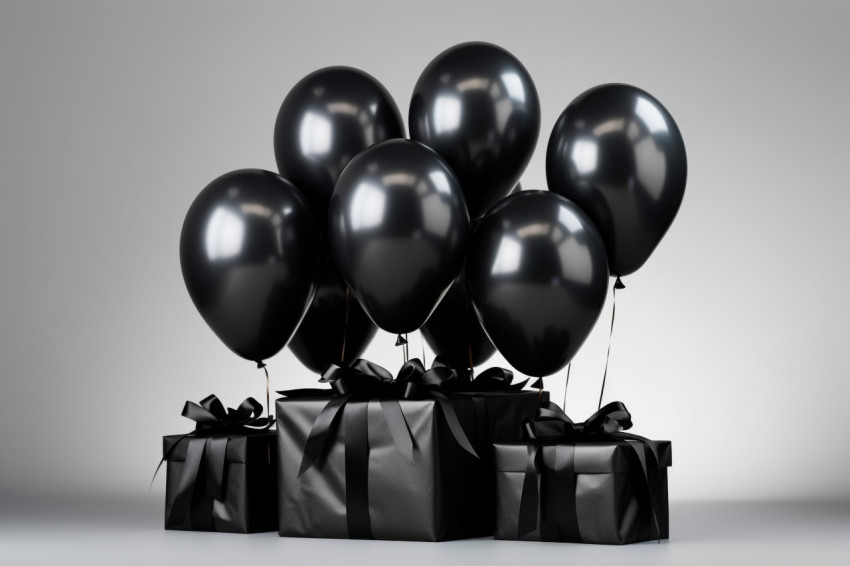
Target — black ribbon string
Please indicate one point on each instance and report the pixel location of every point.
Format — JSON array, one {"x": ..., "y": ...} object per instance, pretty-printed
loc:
[
  {"x": 402, "y": 341},
  {"x": 550, "y": 469},
  {"x": 469, "y": 346},
  {"x": 365, "y": 381},
  {"x": 618, "y": 284},
  {"x": 207, "y": 446},
  {"x": 261, "y": 365},
  {"x": 422, "y": 342},
  {"x": 345, "y": 328},
  {"x": 567, "y": 384}
]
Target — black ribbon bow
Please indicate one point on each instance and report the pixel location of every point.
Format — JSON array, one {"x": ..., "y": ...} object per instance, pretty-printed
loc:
[
  {"x": 551, "y": 426},
  {"x": 208, "y": 444},
  {"x": 494, "y": 379},
  {"x": 363, "y": 380}
]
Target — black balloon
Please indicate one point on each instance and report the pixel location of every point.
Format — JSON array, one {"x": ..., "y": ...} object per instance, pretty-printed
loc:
[
  {"x": 398, "y": 230},
  {"x": 319, "y": 340},
  {"x": 330, "y": 116},
  {"x": 249, "y": 253},
  {"x": 476, "y": 105},
  {"x": 537, "y": 275},
  {"x": 453, "y": 330},
  {"x": 617, "y": 153}
]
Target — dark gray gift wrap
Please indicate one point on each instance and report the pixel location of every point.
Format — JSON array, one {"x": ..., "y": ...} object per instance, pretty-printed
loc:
[
  {"x": 589, "y": 492},
  {"x": 582, "y": 482},
  {"x": 429, "y": 496},
  {"x": 246, "y": 501},
  {"x": 499, "y": 417},
  {"x": 404, "y": 458},
  {"x": 221, "y": 477}
]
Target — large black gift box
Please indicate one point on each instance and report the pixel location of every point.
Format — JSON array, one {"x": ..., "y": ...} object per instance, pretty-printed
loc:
[
  {"x": 429, "y": 498},
  {"x": 590, "y": 487},
  {"x": 221, "y": 480},
  {"x": 366, "y": 483}
]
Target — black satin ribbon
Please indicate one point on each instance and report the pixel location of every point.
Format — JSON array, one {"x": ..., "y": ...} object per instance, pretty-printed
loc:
[
  {"x": 207, "y": 446},
  {"x": 492, "y": 380},
  {"x": 618, "y": 284},
  {"x": 363, "y": 380},
  {"x": 548, "y": 498}
]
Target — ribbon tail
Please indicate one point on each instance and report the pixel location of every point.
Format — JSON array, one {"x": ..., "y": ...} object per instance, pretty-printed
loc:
[
  {"x": 191, "y": 467},
  {"x": 530, "y": 498},
  {"x": 454, "y": 423},
  {"x": 559, "y": 502},
  {"x": 317, "y": 441},
  {"x": 305, "y": 392},
  {"x": 357, "y": 518},
  {"x": 216, "y": 449},
  {"x": 644, "y": 457},
  {"x": 398, "y": 427},
  {"x": 167, "y": 455}
]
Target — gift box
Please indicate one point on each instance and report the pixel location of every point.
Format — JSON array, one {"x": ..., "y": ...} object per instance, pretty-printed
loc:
[
  {"x": 501, "y": 406},
  {"x": 500, "y": 409},
  {"x": 586, "y": 482},
  {"x": 221, "y": 477},
  {"x": 377, "y": 457}
]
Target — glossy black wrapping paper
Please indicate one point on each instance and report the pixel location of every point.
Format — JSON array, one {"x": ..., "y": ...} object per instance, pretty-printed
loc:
[
  {"x": 444, "y": 494},
  {"x": 249, "y": 491},
  {"x": 607, "y": 484}
]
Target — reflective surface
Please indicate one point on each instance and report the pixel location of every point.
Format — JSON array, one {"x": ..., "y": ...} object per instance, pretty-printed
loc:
[
  {"x": 326, "y": 119},
  {"x": 454, "y": 331},
  {"x": 538, "y": 277},
  {"x": 617, "y": 153},
  {"x": 319, "y": 339},
  {"x": 398, "y": 232},
  {"x": 476, "y": 105},
  {"x": 249, "y": 253}
]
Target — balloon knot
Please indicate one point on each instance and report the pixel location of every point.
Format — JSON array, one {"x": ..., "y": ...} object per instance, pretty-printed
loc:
[
  {"x": 400, "y": 341},
  {"x": 618, "y": 284},
  {"x": 260, "y": 365}
]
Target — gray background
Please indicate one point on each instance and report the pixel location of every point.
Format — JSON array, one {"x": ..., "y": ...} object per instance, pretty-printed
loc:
[{"x": 730, "y": 341}]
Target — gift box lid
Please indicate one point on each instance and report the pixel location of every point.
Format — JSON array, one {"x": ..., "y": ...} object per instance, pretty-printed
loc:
[
  {"x": 590, "y": 457},
  {"x": 237, "y": 446}
]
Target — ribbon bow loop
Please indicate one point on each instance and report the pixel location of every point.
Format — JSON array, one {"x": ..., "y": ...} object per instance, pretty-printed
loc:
[
  {"x": 552, "y": 423},
  {"x": 365, "y": 380},
  {"x": 360, "y": 377},
  {"x": 211, "y": 417},
  {"x": 497, "y": 379}
]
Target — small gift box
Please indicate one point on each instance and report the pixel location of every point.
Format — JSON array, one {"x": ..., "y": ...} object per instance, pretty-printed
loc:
[
  {"x": 582, "y": 482},
  {"x": 221, "y": 476},
  {"x": 384, "y": 458}
]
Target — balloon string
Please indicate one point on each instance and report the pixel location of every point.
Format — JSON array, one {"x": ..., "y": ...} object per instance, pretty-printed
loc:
[
  {"x": 469, "y": 349},
  {"x": 402, "y": 341},
  {"x": 345, "y": 328},
  {"x": 567, "y": 384},
  {"x": 422, "y": 340},
  {"x": 406, "y": 348},
  {"x": 261, "y": 365},
  {"x": 540, "y": 390},
  {"x": 469, "y": 346},
  {"x": 618, "y": 284}
]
